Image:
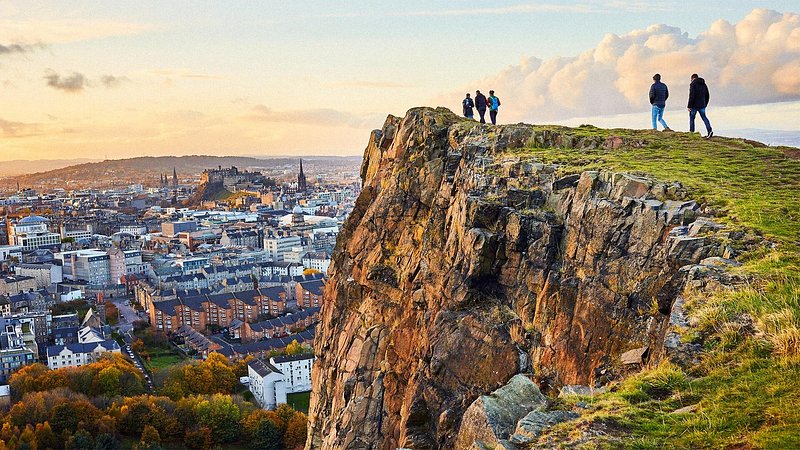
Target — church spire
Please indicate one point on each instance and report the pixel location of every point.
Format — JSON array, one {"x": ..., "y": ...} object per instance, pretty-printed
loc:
[
  {"x": 301, "y": 178},
  {"x": 174, "y": 177}
]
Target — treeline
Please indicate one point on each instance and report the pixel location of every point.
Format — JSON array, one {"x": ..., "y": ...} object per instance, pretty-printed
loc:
[{"x": 103, "y": 406}]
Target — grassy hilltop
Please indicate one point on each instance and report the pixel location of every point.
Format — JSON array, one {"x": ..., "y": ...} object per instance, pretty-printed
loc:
[{"x": 744, "y": 390}]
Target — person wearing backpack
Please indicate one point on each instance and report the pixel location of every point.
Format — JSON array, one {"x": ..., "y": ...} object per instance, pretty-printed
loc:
[
  {"x": 468, "y": 104},
  {"x": 480, "y": 104},
  {"x": 494, "y": 104}
]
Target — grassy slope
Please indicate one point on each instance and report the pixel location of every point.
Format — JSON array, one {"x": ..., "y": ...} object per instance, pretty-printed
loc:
[{"x": 747, "y": 386}]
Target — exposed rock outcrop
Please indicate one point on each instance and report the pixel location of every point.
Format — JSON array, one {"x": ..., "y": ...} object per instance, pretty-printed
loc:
[
  {"x": 492, "y": 418},
  {"x": 464, "y": 264}
]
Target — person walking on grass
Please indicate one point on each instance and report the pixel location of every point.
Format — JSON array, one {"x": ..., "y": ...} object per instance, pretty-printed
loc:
[
  {"x": 659, "y": 93},
  {"x": 480, "y": 104},
  {"x": 698, "y": 100},
  {"x": 468, "y": 104},
  {"x": 494, "y": 104}
]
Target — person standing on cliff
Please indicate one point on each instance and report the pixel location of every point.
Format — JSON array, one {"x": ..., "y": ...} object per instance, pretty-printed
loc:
[
  {"x": 480, "y": 104},
  {"x": 698, "y": 100},
  {"x": 494, "y": 104},
  {"x": 659, "y": 93},
  {"x": 468, "y": 104}
]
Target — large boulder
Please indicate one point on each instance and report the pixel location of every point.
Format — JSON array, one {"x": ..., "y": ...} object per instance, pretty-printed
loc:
[{"x": 493, "y": 418}]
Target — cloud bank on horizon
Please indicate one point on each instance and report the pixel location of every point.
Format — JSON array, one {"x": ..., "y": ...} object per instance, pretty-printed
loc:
[{"x": 754, "y": 61}]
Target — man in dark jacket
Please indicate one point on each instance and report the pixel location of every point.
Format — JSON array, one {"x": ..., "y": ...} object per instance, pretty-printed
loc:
[
  {"x": 698, "y": 100},
  {"x": 468, "y": 104},
  {"x": 480, "y": 104},
  {"x": 659, "y": 93}
]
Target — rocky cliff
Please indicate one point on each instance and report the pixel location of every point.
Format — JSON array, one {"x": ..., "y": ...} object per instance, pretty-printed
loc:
[{"x": 465, "y": 263}]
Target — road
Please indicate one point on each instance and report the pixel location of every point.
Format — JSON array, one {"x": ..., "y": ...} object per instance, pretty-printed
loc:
[{"x": 127, "y": 315}]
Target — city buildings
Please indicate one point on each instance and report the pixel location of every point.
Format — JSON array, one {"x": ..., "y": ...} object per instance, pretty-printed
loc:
[
  {"x": 90, "y": 265},
  {"x": 31, "y": 233}
]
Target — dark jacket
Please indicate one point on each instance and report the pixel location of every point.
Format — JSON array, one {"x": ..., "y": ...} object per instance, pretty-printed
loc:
[
  {"x": 698, "y": 94},
  {"x": 468, "y": 105},
  {"x": 659, "y": 93},
  {"x": 480, "y": 101}
]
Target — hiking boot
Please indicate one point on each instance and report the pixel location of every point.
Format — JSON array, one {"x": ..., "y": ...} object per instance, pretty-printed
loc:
[
  {"x": 668, "y": 129},
  {"x": 710, "y": 135}
]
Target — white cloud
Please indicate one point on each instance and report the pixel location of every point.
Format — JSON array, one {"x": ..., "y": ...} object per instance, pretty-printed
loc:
[{"x": 754, "y": 61}]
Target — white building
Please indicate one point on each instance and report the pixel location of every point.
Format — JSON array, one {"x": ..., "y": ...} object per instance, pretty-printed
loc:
[
  {"x": 91, "y": 265},
  {"x": 76, "y": 355},
  {"x": 271, "y": 381},
  {"x": 135, "y": 230},
  {"x": 277, "y": 247},
  {"x": 281, "y": 269},
  {"x": 76, "y": 234},
  {"x": 266, "y": 383},
  {"x": 31, "y": 233},
  {"x": 317, "y": 260},
  {"x": 296, "y": 370}
]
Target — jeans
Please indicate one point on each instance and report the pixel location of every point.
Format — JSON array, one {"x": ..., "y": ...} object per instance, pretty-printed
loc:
[
  {"x": 468, "y": 114},
  {"x": 702, "y": 112},
  {"x": 493, "y": 116},
  {"x": 481, "y": 112},
  {"x": 658, "y": 115}
]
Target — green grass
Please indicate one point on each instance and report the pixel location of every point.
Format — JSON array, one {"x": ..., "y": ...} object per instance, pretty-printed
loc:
[
  {"x": 299, "y": 401},
  {"x": 752, "y": 186},
  {"x": 161, "y": 361},
  {"x": 746, "y": 387}
]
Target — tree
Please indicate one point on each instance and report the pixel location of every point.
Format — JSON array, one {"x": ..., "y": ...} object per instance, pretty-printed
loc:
[
  {"x": 284, "y": 413},
  {"x": 295, "y": 435},
  {"x": 46, "y": 438},
  {"x": 150, "y": 439},
  {"x": 27, "y": 439},
  {"x": 310, "y": 271},
  {"x": 106, "y": 441},
  {"x": 294, "y": 348},
  {"x": 221, "y": 415},
  {"x": 81, "y": 440},
  {"x": 200, "y": 438},
  {"x": 107, "y": 381},
  {"x": 266, "y": 436}
]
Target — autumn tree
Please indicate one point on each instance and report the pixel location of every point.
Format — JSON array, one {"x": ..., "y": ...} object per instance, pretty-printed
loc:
[
  {"x": 295, "y": 435},
  {"x": 201, "y": 438},
  {"x": 46, "y": 438},
  {"x": 150, "y": 439},
  {"x": 70, "y": 416},
  {"x": 294, "y": 348},
  {"x": 27, "y": 439},
  {"x": 221, "y": 415}
]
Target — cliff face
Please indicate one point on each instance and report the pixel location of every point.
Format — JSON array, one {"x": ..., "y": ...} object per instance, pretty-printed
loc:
[{"x": 464, "y": 264}]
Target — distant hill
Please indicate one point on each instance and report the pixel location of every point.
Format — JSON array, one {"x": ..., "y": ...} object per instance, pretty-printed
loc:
[
  {"x": 147, "y": 170},
  {"x": 23, "y": 166}
]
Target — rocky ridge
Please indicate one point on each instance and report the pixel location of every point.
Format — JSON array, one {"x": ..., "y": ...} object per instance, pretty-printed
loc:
[{"x": 464, "y": 264}]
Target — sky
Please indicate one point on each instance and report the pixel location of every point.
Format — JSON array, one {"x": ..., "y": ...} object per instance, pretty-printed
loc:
[{"x": 99, "y": 79}]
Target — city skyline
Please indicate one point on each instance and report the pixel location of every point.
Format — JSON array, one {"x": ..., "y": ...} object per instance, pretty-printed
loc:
[{"x": 99, "y": 80}]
